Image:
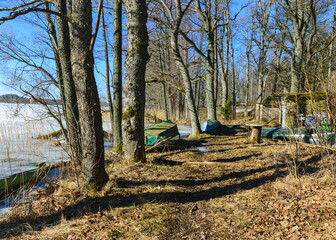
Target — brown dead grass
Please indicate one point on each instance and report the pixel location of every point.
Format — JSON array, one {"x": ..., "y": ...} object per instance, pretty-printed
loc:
[{"x": 248, "y": 194}]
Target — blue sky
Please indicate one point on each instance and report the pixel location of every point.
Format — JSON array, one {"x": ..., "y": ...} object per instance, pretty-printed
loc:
[{"x": 25, "y": 33}]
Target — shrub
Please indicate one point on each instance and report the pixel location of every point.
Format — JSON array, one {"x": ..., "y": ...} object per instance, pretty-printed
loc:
[{"x": 227, "y": 109}]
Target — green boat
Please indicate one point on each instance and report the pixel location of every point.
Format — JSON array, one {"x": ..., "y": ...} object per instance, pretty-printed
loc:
[
  {"x": 15, "y": 181},
  {"x": 308, "y": 135},
  {"x": 283, "y": 133},
  {"x": 158, "y": 132}
]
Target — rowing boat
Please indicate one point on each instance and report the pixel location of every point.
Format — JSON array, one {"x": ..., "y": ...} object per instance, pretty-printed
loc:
[
  {"x": 210, "y": 125},
  {"x": 158, "y": 132},
  {"x": 15, "y": 181}
]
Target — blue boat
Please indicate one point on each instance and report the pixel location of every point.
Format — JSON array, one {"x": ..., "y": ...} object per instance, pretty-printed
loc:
[{"x": 210, "y": 125}]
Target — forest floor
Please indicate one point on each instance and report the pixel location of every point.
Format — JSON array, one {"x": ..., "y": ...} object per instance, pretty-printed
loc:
[{"x": 230, "y": 190}]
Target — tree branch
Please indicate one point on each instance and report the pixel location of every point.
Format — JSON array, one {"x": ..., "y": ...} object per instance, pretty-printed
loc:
[{"x": 94, "y": 36}]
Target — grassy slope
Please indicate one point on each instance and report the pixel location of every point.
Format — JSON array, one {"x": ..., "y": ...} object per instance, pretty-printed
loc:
[{"x": 246, "y": 192}]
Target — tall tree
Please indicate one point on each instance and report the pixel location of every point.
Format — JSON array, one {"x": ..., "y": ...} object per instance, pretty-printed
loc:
[
  {"x": 64, "y": 54},
  {"x": 248, "y": 67},
  {"x": 92, "y": 134},
  {"x": 263, "y": 14},
  {"x": 331, "y": 48},
  {"x": 204, "y": 10},
  {"x": 296, "y": 26},
  {"x": 117, "y": 75},
  {"x": 174, "y": 19},
  {"x": 136, "y": 60},
  {"x": 82, "y": 43},
  {"x": 233, "y": 73},
  {"x": 107, "y": 68}
]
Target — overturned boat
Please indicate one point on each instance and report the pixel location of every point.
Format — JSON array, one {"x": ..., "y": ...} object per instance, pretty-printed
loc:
[
  {"x": 304, "y": 134},
  {"x": 157, "y": 133},
  {"x": 18, "y": 180},
  {"x": 210, "y": 125}
]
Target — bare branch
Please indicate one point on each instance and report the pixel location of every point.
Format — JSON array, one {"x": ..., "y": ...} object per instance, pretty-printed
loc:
[{"x": 94, "y": 36}]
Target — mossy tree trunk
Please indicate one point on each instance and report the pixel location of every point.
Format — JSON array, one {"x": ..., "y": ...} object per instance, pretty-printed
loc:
[
  {"x": 87, "y": 95},
  {"x": 136, "y": 60}
]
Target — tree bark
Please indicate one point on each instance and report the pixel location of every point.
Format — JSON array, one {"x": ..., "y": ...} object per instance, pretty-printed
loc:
[
  {"x": 248, "y": 52},
  {"x": 69, "y": 85},
  {"x": 195, "y": 125},
  {"x": 87, "y": 95},
  {"x": 299, "y": 17},
  {"x": 331, "y": 47},
  {"x": 175, "y": 23},
  {"x": 205, "y": 16},
  {"x": 264, "y": 12},
  {"x": 117, "y": 76},
  {"x": 210, "y": 93},
  {"x": 136, "y": 59},
  {"x": 66, "y": 83},
  {"x": 233, "y": 79}
]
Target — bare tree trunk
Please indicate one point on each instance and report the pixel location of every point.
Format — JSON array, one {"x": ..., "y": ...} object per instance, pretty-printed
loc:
[
  {"x": 107, "y": 71},
  {"x": 87, "y": 95},
  {"x": 165, "y": 105},
  {"x": 187, "y": 83},
  {"x": 175, "y": 25},
  {"x": 248, "y": 52},
  {"x": 222, "y": 72},
  {"x": 215, "y": 61},
  {"x": 136, "y": 60},
  {"x": 299, "y": 17},
  {"x": 117, "y": 75},
  {"x": 163, "y": 84},
  {"x": 264, "y": 9},
  {"x": 278, "y": 54},
  {"x": 233, "y": 79},
  {"x": 209, "y": 83},
  {"x": 331, "y": 47},
  {"x": 67, "y": 83},
  {"x": 227, "y": 55}
]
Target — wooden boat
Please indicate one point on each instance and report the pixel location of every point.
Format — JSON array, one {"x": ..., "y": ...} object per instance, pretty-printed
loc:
[
  {"x": 15, "y": 181},
  {"x": 158, "y": 132},
  {"x": 210, "y": 125}
]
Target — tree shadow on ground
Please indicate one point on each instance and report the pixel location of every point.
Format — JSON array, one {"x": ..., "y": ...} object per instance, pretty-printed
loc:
[
  {"x": 224, "y": 150},
  {"x": 175, "y": 145},
  {"x": 97, "y": 204},
  {"x": 237, "y": 159}
]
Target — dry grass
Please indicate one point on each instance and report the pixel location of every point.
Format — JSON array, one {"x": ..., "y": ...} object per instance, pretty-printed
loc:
[{"x": 248, "y": 194}]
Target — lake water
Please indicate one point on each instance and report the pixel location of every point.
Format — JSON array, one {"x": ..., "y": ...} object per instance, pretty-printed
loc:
[{"x": 20, "y": 124}]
